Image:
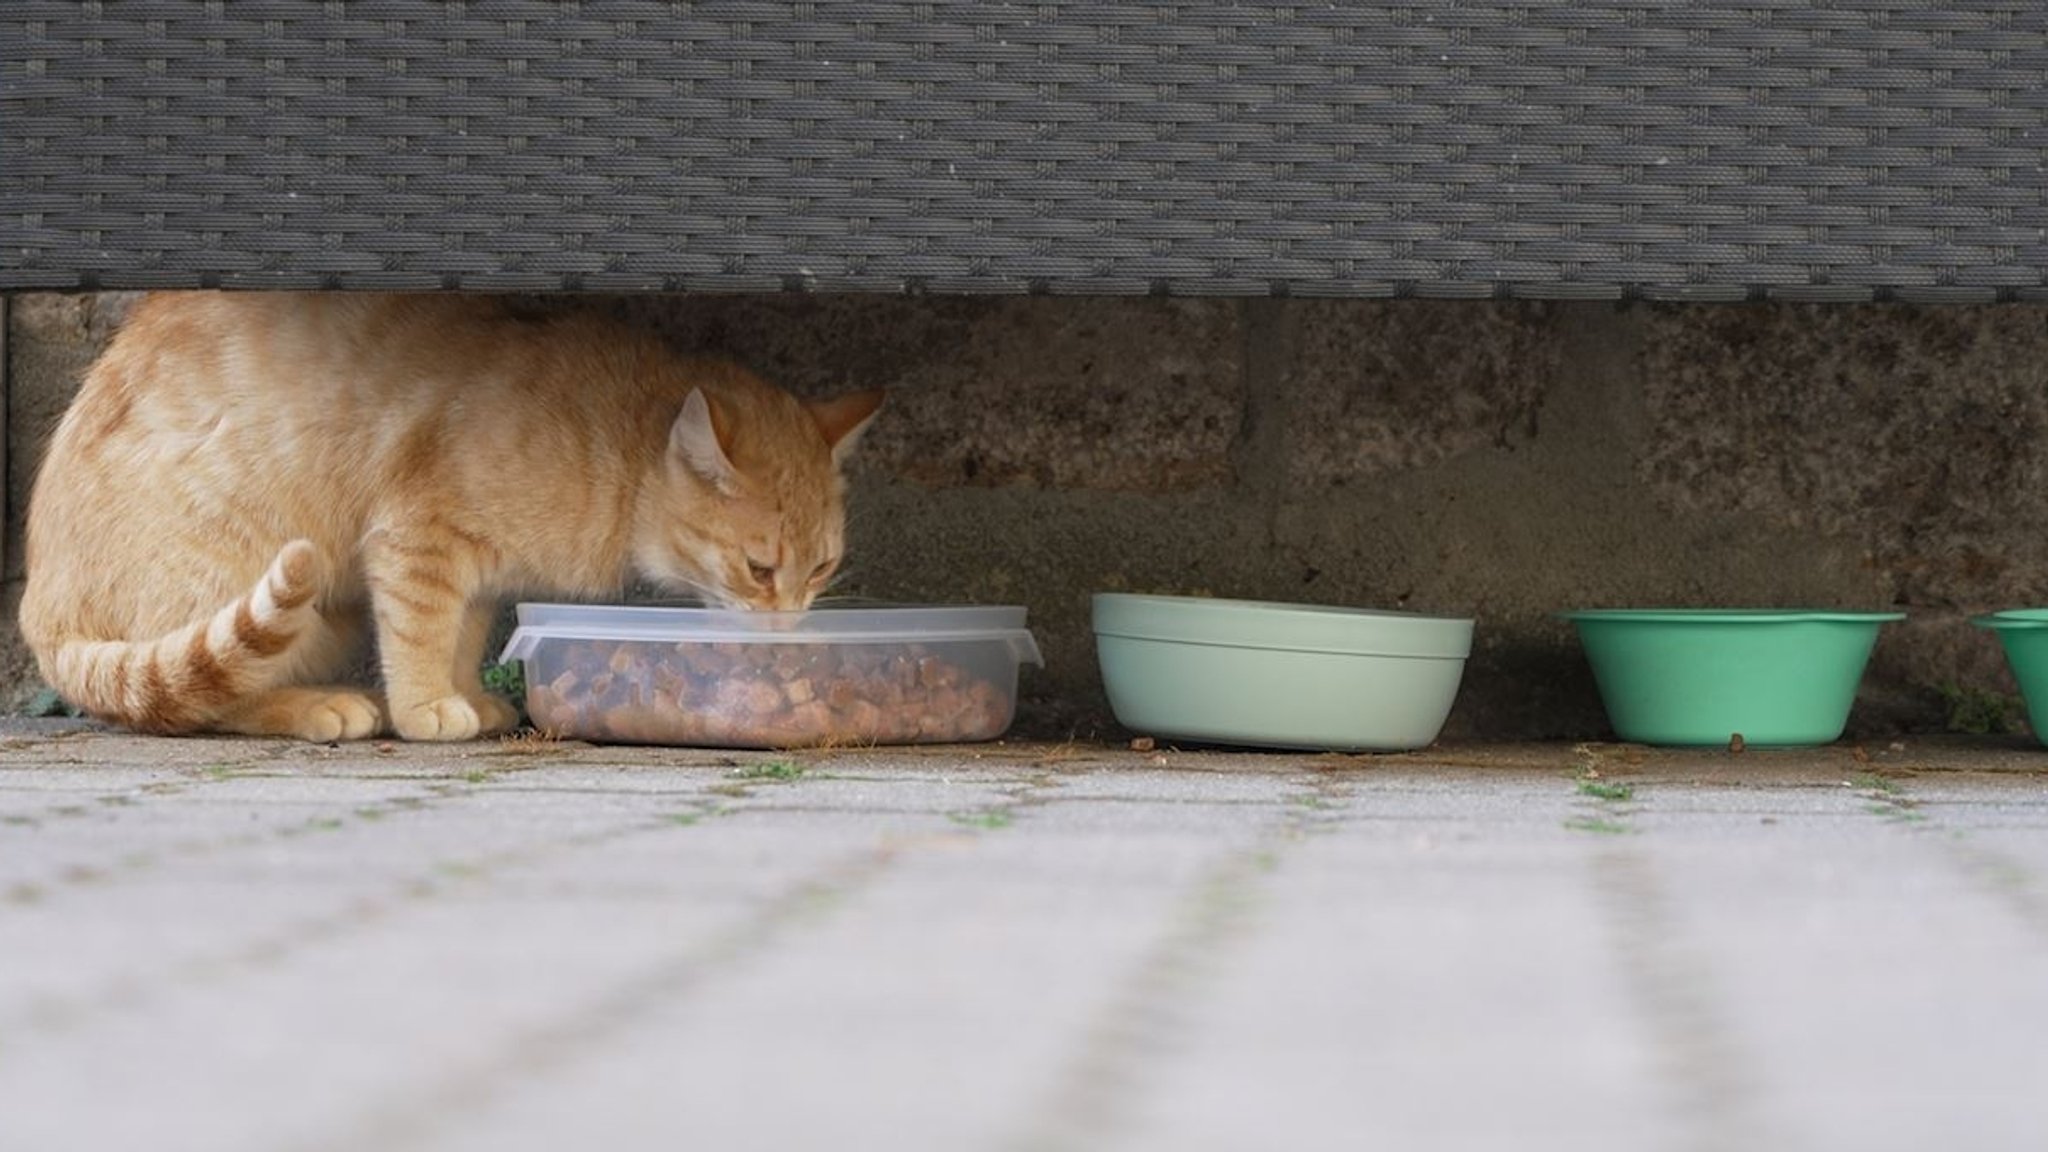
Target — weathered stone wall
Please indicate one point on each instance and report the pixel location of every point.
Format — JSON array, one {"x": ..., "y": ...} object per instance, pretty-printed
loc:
[{"x": 1506, "y": 460}]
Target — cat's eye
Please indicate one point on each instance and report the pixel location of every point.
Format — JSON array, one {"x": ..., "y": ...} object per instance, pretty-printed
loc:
[
  {"x": 822, "y": 571},
  {"x": 762, "y": 574}
]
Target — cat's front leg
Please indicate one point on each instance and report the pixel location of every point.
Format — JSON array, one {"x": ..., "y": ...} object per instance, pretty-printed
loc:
[
  {"x": 421, "y": 585},
  {"x": 495, "y": 713}
]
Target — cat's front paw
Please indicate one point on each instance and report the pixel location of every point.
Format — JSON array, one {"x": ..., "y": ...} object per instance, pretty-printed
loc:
[{"x": 448, "y": 718}]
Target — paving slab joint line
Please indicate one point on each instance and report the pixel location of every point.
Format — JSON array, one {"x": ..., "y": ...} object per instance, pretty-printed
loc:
[
  {"x": 1698, "y": 1061},
  {"x": 2003, "y": 876},
  {"x": 74, "y": 809},
  {"x": 415, "y": 1121},
  {"x": 1998, "y": 874},
  {"x": 1606, "y": 804},
  {"x": 50, "y": 1017},
  {"x": 1092, "y": 1097},
  {"x": 187, "y": 780},
  {"x": 1018, "y": 799},
  {"x": 134, "y": 862}
]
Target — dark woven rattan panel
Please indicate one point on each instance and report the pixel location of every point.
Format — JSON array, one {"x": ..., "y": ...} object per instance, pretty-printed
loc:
[{"x": 1822, "y": 148}]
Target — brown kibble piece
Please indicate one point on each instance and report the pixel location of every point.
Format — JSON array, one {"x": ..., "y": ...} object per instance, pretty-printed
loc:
[
  {"x": 667, "y": 681},
  {"x": 865, "y": 719},
  {"x": 841, "y": 695},
  {"x": 933, "y": 672},
  {"x": 1143, "y": 744},
  {"x": 1735, "y": 743},
  {"x": 789, "y": 662},
  {"x": 744, "y": 700},
  {"x": 702, "y": 661}
]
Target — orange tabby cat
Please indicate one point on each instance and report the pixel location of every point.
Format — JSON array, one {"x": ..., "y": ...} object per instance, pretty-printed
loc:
[{"x": 248, "y": 483}]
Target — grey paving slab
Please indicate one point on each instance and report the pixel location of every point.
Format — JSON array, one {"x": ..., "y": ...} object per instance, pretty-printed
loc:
[
  {"x": 1808, "y": 799},
  {"x": 866, "y": 794},
  {"x": 933, "y": 1009},
  {"x": 1877, "y": 996},
  {"x": 526, "y": 945},
  {"x": 1198, "y": 785},
  {"x": 22, "y": 783},
  {"x": 1975, "y": 809},
  {"x": 112, "y": 841},
  {"x": 1170, "y": 826},
  {"x": 348, "y": 1014},
  {"x": 1373, "y": 984},
  {"x": 202, "y": 911}
]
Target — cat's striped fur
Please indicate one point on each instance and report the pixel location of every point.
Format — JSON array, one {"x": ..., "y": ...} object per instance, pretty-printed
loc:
[{"x": 248, "y": 485}]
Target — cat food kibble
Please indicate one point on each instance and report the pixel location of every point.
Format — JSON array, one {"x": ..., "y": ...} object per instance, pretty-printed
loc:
[{"x": 766, "y": 695}]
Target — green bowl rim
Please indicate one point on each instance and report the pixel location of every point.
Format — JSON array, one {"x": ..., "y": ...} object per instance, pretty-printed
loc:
[
  {"x": 2013, "y": 619},
  {"x": 1731, "y": 616}
]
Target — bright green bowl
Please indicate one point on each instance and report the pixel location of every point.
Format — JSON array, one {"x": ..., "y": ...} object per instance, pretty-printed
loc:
[
  {"x": 1278, "y": 675},
  {"x": 2023, "y": 633},
  {"x": 1704, "y": 676}
]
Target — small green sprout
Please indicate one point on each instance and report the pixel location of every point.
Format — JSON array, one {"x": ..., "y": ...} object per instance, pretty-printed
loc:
[
  {"x": 1606, "y": 790},
  {"x": 770, "y": 770},
  {"x": 1980, "y": 713},
  {"x": 507, "y": 679}
]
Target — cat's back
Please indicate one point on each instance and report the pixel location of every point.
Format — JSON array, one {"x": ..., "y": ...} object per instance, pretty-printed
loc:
[
  {"x": 258, "y": 344},
  {"x": 206, "y": 347},
  {"x": 266, "y": 374},
  {"x": 227, "y": 405}
]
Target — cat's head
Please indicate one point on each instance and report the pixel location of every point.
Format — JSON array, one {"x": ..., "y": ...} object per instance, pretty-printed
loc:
[{"x": 748, "y": 508}]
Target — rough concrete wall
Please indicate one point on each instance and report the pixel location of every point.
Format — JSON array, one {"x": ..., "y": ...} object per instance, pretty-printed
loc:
[{"x": 1497, "y": 459}]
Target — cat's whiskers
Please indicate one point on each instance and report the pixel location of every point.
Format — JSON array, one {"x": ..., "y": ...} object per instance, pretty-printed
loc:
[{"x": 837, "y": 578}]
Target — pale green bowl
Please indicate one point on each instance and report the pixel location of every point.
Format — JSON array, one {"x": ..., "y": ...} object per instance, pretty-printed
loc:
[
  {"x": 2023, "y": 633},
  {"x": 1705, "y": 676},
  {"x": 1278, "y": 675}
]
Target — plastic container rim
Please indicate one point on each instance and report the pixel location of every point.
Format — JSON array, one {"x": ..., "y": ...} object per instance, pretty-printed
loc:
[
  {"x": 1278, "y": 626},
  {"x": 542, "y": 621}
]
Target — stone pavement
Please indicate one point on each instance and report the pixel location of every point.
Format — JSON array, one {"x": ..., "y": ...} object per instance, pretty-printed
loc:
[{"x": 229, "y": 945}]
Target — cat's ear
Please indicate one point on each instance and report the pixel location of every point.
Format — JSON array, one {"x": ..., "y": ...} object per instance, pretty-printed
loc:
[
  {"x": 843, "y": 418},
  {"x": 694, "y": 442}
]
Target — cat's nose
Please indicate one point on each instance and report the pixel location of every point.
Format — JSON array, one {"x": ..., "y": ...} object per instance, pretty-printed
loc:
[{"x": 777, "y": 600}]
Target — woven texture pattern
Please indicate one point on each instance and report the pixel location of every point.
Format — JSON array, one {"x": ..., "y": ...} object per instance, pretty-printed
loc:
[{"x": 1827, "y": 149}]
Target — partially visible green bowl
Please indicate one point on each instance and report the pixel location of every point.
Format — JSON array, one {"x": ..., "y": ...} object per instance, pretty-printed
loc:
[
  {"x": 1686, "y": 676},
  {"x": 2023, "y": 633}
]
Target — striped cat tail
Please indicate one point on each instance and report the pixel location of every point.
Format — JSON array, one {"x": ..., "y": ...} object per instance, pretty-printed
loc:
[{"x": 183, "y": 681}]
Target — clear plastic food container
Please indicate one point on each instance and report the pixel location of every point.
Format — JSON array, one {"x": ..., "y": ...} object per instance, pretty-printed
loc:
[{"x": 830, "y": 676}]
